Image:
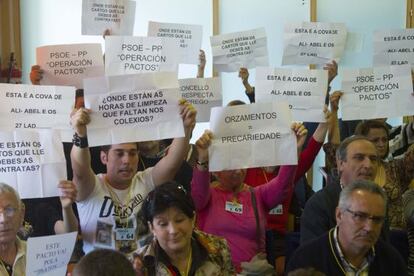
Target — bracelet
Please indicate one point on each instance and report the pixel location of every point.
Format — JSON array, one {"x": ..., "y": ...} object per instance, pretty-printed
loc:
[
  {"x": 204, "y": 164},
  {"x": 81, "y": 142}
]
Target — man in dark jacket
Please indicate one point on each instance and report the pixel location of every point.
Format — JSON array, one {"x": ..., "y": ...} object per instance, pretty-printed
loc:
[
  {"x": 353, "y": 247},
  {"x": 357, "y": 159}
]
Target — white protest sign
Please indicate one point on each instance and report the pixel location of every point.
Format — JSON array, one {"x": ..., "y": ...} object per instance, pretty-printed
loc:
[
  {"x": 132, "y": 108},
  {"x": 252, "y": 135},
  {"x": 133, "y": 54},
  {"x": 243, "y": 49},
  {"x": 378, "y": 92},
  {"x": 35, "y": 106},
  {"x": 187, "y": 37},
  {"x": 203, "y": 93},
  {"x": 118, "y": 16},
  {"x": 313, "y": 42},
  {"x": 49, "y": 255},
  {"x": 70, "y": 64},
  {"x": 394, "y": 47},
  {"x": 303, "y": 89},
  {"x": 32, "y": 162}
]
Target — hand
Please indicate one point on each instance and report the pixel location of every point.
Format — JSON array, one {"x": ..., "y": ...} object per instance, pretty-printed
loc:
[
  {"x": 332, "y": 68},
  {"x": 188, "y": 114},
  {"x": 244, "y": 75},
  {"x": 106, "y": 32},
  {"x": 202, "y": 145},
  {"x": 201, "y": 60},
  {"x": 334, "y": 100},
  {"x": 300, "y": 132},
  {"x": 68, "y": 193},
  {"x": 138, "y": 265},
  {"x": 36, "y": 74},
  {"x": 79, "y": 118}
]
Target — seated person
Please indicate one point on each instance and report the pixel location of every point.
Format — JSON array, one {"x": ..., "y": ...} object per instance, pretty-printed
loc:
[
  {"x": 357, "y": 159},
  {"x": 108, "y": 203},
  {"x": 408, "y": 205},
  {"x": 104, "y": 262},
  {"x": 238, "y": 227},
  {"x": 12, "y": 249},
  {"x": 178, "y": 248},
  {"x": 353, "y": 247}
]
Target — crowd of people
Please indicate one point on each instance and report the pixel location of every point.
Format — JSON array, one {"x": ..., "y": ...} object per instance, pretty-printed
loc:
[{"x": 153, "y": 208}]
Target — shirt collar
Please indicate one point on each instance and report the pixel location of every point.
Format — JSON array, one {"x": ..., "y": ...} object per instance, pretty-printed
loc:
[{"x": 349, "y": 268}]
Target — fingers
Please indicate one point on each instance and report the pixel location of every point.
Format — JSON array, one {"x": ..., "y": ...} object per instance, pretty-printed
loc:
[
  {"x": 106, "y": 32},
  {"x": 299, "y": 129},
  {"x": 67, "y": 190},
  {"x": 205, "y": 140},
  {"x": 202, "y": 58},
  {"x": 243, "y": 73},
  {"x": 36, "y": 74},
  {"x": 81, "y": 117}
]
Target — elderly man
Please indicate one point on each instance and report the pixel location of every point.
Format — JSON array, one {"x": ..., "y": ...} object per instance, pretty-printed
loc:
[
  {"x": 12, "y": 249},
  {"x": 108, "y": 204},
  {"x": 353, "y": 247},
  {"x": 357, "y": 159}
]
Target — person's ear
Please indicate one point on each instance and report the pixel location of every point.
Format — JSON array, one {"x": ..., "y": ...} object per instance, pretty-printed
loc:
[
  {"x": 338, "y": 215},
  {"x": 104, "y": 157},
  {"x": 22, "y": 211},
  {"x": 151, "y": 228},
  {"x": 193, "y": 220}
]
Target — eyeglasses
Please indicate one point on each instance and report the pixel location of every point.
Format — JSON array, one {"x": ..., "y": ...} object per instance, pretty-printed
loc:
[
  {"x": 9, "y": 211},
  {"x": 361, "y": 217}
]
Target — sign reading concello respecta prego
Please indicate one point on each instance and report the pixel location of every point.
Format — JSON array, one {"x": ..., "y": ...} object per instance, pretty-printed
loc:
[{"x": 203, "y": 93}]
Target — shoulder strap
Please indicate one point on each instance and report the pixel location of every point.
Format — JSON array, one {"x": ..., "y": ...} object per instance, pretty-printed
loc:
[{"x": 256, "y": 215}]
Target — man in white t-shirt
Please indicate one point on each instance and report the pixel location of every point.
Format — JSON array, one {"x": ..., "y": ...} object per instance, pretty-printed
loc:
[{"x": 108, "y": 203}]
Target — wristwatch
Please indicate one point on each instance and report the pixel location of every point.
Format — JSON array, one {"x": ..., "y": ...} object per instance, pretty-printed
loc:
[{"x": 81, "y": 142}]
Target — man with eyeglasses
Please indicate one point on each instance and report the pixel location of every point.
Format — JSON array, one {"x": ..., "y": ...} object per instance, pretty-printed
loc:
[
  {"x": 12, "y": 249},
  {"x": 353, "y": 247}
]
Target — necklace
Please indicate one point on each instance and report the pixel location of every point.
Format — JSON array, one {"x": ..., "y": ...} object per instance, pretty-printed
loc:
[
  {"x": 188, "y": 266},
  {"x": 7, "y": 267},
  {"x": 380, "y": 177},
  {"x": 116, "y": 199}
]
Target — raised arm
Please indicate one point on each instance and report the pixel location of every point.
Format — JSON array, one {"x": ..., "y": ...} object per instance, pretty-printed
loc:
[
  {"x": 168, "y": 166},
  {"x": 68, "y": 196},
  {"x": 244, "y": 75},
  {"x": 83, "y": 174},
  {"x": 201, "y": 64},
  {"x": 200, "y": 185},
  {"x": 332, "y": 68},
  {"x": 275, "y": 191},
  {"x": 308, "y": 155},
  {"x": 333, "y": 131}
]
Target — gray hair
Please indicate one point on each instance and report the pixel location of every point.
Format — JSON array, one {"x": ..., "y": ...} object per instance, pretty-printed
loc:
[
  {"x": 363, "y": 185},
  {"x": 341, "y": 151},
  {"x": 4, "y": 188}
]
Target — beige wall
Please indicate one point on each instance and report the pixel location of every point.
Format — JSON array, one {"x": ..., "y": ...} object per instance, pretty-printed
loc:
[{"x": 10, "y": 31}]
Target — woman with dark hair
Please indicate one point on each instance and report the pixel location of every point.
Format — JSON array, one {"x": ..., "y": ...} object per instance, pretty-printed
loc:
[{"x": 177, "y": 248}]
